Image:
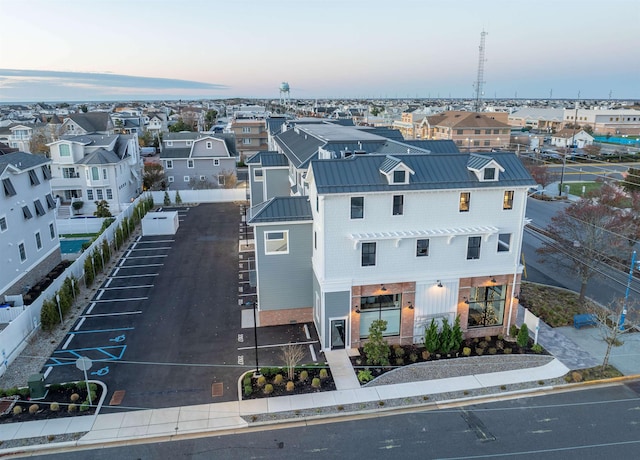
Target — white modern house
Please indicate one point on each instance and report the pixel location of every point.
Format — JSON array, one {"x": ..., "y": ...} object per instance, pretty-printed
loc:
[
  {"x": 95, "y": 167},
  {"x": 569, "y": 137},
  {"x": 402, "y": 237},
  {"x": 17, "y": 136},
  {"x": 28, "y": 237}
]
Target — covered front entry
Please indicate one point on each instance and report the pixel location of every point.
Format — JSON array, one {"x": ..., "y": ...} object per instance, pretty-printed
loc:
[{"x": 338, "y": 328}]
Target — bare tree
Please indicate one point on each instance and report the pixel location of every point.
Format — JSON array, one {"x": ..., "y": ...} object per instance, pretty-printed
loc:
[
  {"x": 584, "y": 235},
  {"x": 542, "y": 174},
  {"x": 292, "y": 355},
  {"x": 608, "y": 320},
  {"x": 229, "y": 179}
]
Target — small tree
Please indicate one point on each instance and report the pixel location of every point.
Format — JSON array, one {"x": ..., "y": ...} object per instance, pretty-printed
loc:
[
  {"x": 456, "y": 334},
  {"x": 89, "y": 273},
  {"x": 446, "y": 337},
  {"x": 631, "y": 181},
  {"x": 431, "y": 337},
  {"x": 292, "y": 354},
  {"x": 522, "y": 339},
  {"x": 608, "y": 320},
  {"x": 106, "y": 250},
  {"x": 377, "y": 349},
  {"x": 167, "y": 199},
  {"x": 77, "y": 205},
  {"x": 178, "y": 197},
  {"x": 102, "y": 209},
  {"x": 152, "y": 176}
]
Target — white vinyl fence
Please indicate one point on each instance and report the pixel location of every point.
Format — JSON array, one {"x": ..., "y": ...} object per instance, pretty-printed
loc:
[
  {"x": 79, "y": 225},
  {"x": 14, "y": 337},
  {"x": 218, "y": 195}
]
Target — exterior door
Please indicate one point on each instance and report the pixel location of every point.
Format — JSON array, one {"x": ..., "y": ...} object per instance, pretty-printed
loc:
[{"x": 338, "y": 334}]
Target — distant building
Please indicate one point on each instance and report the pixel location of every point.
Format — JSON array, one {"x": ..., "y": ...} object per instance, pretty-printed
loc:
[
  {"x": 17, "y": 136},
  {"x": 469, "y": 130},
  {"x": 541, "y": 119},
  {"x": 28, "y": 236},
  {"x": 88, "y": 123},
  {"x": 614, "y": 122},
  {"x": 251, "y": 135},
  {"x": 569, "y": 137}
]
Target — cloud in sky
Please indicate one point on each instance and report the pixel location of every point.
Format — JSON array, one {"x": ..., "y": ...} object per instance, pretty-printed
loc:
[{"x": 46, "y": 85}]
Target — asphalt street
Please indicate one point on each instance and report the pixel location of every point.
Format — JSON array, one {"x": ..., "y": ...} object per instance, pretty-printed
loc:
[{"x": 594, "y": 423}]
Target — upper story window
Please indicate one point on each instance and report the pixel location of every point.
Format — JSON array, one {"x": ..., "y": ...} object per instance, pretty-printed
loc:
[
  {"x": 422, "y": 248},
  {"x": 64, "y": 150},
  {"x": 23, "y": 252},
  {"x": 39, "y": 208},
  {"x": 8, "y": 187},
  {"x": 3, "y": 224},
  {"x": 459, "y": 131},
  {"x": 216, "y": 162},
  {"x": 398, "y": 205},
  {"x": 473, "y": 248},
  {"x": 465, "y": 201},
  {"x": 46, "y": 172},
  {"x": 399, "y": 177},
  {"x": 357, "y": 207},
  {"x": 368, "y": 254},
  {"x": 209, "y": 144},
  {"x": 477, "y": 131},
  {"x": 26, "y": 212},
  {"x": 507, "y": 202},
  {"x": 33, "y": 177},
  {"x": 246, "y": 141},
  {"x": 104, "y": 173},
  {"x": 246, "y": 129},
  {"x": 190, "y": 164},
  {"x": 169, "y": 164},
  {"x": 38, "y": 241},
  {"x": 257, "y": 175},
  {"x": 504, "y": 242},
  {"x": 95, "y": 174},
  {"x": 51, "y": 203},
  {"x": 52, "y": 231},
  {"x": 276, "y": 242},
  {"x": 489, "y": 173}
]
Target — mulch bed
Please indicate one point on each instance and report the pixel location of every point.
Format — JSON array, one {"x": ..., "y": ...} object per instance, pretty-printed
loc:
[
  {"x": 57, "y": 394},
  {"x": 280, "y": 389}
]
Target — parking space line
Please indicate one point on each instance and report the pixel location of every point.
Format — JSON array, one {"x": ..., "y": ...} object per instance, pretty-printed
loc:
[
  {"x": 113, "y": 314},
  {"x": 115, "y": 272},
  {"x": 95, "y": 331},
  {"x": 122, "y": 300},
  {"x": 129, "y": 287},
  {"x": 150, "y": 249},
  {"x": 278, "y": 345},
  {"x": 47, "y": 372},
  {"x": 80, "y": 323},
  {"x": 147, "y": 257},
  {"x": 156, "y": 241},
  {"x": 66, "y": 344},
  {"x": 74, "y": 355},
  {"x": 107, "y": 283},
  {"x": 93, "y": 304},
  {"x": 133, "y": 276},
  {"x": 142, "y": 266},
  {"x": 99, "y": 294}
]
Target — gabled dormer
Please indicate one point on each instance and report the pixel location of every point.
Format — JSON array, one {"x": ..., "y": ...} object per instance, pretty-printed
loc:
[
  {"x": 396, "y": 172},
  {"x": 484, "y": 167}
]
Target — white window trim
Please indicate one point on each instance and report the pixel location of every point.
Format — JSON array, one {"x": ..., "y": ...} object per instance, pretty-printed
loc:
[
  {"x": 286, "y": 237},
  {"x": 192, "y": 163},
  {"x": 209, "y": 144},
  {"x": 169, "y": 143},
  {"x": 5, "y": 222},
  {"x": 169, "y": 164},
  {"x": 54, "y": 231},
  {"x": 170, "y": 179},
  {"x": 216, "y": 162},
  {"x": 186, "y": 178},
  {"x": 258, "y": 178}
]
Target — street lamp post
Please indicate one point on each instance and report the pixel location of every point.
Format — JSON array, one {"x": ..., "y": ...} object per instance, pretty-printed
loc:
[{"x": 626, "y": 294}]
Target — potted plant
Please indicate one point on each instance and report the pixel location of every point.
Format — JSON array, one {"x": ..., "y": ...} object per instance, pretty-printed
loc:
[{"x": 77, "y": 205}]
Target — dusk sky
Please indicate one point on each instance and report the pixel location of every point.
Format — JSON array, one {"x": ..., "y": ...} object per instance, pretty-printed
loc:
[{"x": 57, "y": 50}]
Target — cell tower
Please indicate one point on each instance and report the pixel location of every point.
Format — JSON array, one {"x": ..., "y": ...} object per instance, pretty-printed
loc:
[
  {"x": 285, "y": 95},
  {"x": 480, "y": 81}
]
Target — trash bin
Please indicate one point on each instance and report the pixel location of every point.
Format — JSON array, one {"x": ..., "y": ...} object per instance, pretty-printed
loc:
[{"x": 37, "y": 389}]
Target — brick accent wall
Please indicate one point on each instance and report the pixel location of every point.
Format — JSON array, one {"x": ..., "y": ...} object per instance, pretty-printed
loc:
[{"x": 289, "y": 316}]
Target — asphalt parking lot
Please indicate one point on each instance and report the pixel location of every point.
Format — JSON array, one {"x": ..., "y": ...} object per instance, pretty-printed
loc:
[{"x": 169, "y": 326}]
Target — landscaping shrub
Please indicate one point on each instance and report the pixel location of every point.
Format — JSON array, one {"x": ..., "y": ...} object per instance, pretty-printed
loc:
[
  {"x": 262, "y": 380},
  {"x": 466, "y": 351},
  {"x": 72, "y": 408},
  {"x": 315, "y": 383},
  {"x": 479, "y": 351},
  {"x": 88, "y": 271},
  {"x": 576, "y": 376},
  {"x": 446, "y": 337},
  {"x": 74, "y": 397},
  {"x": 54, "y": 406},
  {"x": 33, "y": 409},
  {"x": 522, "y": 339},
  {"x": 290, "y": 386},
  {"x": 513, "y": 330},
  {"x": 426, "y": 355},
  {"x": 377, "y": 348},
  {"x": 537, "y": 348},
  {"x": 398, "y": 351},
  {"x": 365, "y": 376},
  {"x": 508, "y": 350},
  {"x": 324, "y": 374},
  {"x": 399, "y": 361},
  {"x": 304, "y": 375},
  {"x": 178, "y": 197},
  {"x": 492, "y": 350},
  {"x": 248, "y": 390},
  {"x": 278, "y": 379},
  {"x": 413, "y": 357},
  {"x": 456, "y": 334},
  {"x": 431, "y": 337},
  {"x": 167, "y": 200},
  {"x": 268, "y": 389},
  {"x": 17, "y": 410},
  {"x": 84, "y": 406}
]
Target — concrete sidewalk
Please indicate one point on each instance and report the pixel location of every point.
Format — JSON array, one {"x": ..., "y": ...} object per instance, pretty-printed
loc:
[{"x": 126, "y": 426}]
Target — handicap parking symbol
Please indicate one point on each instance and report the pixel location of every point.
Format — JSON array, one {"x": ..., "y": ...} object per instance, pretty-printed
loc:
[{"x": 101, "y": 372}]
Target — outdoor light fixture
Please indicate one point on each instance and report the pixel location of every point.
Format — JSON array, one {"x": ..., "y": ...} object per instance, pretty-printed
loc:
[
  {"x": 357, "y": 310},
  {"x": 410, "y": 305},
  {"x": 382, "y": 288},
  {"x": 466, "y": 300},
  {"x": 439, "y": 283},
  {"x": 493, "y": 279}
]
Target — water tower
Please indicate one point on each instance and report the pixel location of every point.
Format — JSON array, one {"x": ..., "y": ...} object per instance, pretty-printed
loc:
[{"x": 285, "y": 95}]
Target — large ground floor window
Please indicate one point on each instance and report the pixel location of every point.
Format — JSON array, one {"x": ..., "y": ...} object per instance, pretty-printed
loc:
[
  {"x": 486, "y": 306},
  {"x": 386, "y": 307}
]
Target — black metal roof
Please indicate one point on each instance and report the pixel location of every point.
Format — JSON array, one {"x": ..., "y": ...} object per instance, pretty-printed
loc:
[{"x": 435, "y": 146}]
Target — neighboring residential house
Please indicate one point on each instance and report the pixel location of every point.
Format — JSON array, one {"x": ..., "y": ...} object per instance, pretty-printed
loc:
[
  {"x": 28, "y": 237},
  {"x": 469, "y": 130},
  {"x": 88, "y": 123},
  {"x": 94, "y": 167},
  {"x": 17, "y": 136},
  {"x": 404, "y": 238},
  {"x": 251, "y": 136},
  {"x": 156, "y": 123},
  {"x": 195, "y": 161},
  {"x": 570, "y": 137},
  {"x": 409, "y": 124},
  {"x": 126, "y": 123},
  {"x": 542, "y": 119}
]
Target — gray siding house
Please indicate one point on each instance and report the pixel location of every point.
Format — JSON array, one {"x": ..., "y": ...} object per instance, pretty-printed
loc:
[
  {"x": 268, "y": 176},
  {"x": 28, "y": 237},
  {"x": 283, "y": 238},
  {"x": 196, "y": 161}
]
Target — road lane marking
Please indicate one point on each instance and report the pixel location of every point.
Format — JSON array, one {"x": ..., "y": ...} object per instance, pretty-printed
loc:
[
  {"x": 47, "y": 372},
  {"x": 152, "y": 249}
]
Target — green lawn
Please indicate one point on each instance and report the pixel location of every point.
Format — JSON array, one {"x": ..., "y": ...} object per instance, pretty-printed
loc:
[{"x": 575, "y": 188}]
